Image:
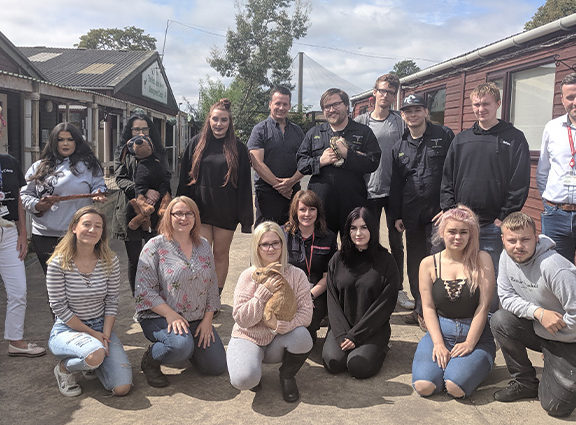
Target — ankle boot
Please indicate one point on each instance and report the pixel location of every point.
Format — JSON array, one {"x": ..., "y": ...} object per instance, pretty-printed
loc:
[
  {"x": 291, "y": 364},
  {"x": 152, "y": 371}
]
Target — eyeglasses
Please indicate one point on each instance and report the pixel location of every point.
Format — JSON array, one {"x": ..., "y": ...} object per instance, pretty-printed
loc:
[
  {"x": 182, "y": 214},
  {"x": 332, "y": 105},
  {"x": 265, "y": 246},
  {"x": 140, "y": 129},
  {"x": 385, "y": 92}
]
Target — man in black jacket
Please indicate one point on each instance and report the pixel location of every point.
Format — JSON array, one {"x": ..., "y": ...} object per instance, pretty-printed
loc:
[
  {"x": 417, "y": 162},
  {"x": 487, "y": 169},
  {"x": 338, "y": 154}
]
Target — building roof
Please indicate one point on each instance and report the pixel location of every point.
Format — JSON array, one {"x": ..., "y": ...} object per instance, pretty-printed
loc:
[
  {"x": 88, "y": 68},
  {"x": 19, "y": 58}
]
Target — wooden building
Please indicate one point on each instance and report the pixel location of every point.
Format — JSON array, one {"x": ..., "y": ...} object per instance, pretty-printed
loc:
[{"x": 527, "y": 67}]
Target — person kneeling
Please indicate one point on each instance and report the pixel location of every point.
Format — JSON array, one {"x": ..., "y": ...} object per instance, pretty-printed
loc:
[
  {"x": 362, "y": 292},
  {"x": 256, "y": 340}
]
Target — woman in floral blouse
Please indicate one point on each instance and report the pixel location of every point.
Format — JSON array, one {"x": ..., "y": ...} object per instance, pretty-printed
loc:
[{"x": 177, "y": 294}]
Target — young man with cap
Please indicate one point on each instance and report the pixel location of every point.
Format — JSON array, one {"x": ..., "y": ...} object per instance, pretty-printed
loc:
[
  {"x": 556, "y": 174},
  {"x": 417, "y": 162},
  {"x": 536, "y": 286},
  {"x": 487, "y": 169},
  {"x": 388, "y": 128}
]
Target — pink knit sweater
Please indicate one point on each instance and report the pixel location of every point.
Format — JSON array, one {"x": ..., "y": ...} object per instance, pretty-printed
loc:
[{"x": 250, "y": 300}]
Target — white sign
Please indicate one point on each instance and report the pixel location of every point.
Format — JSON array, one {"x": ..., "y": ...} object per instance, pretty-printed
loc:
[{"x": 153, "y": 84}]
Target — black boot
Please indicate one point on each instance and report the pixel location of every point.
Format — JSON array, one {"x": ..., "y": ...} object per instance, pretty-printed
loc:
[
  {"x": 291, "y": 364},
  {"x": 152, "y": 371}
]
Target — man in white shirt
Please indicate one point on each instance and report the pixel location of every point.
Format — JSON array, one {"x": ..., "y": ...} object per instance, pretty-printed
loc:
[{"x": 556, "y": 174}]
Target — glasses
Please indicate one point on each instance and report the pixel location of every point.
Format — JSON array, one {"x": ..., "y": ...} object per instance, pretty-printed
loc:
[
  {"x": 182, "y": 214},
  {"x": 140, "y": 129},
  {"x": 266, "y": 246},
  {"x": 332, "y": 105},
  {"x": 385, "y": 92}
]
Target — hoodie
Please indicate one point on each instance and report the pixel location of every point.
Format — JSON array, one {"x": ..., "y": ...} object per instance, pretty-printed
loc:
[
  {"x": 547, "y": 280},
  {"x": 487, "y": 170}
]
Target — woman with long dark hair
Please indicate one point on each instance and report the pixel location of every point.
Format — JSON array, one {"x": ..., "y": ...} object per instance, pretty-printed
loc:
[
  {"x": 215, "y": 173},
  {"x": 362, "y": 292},
  {"x": 125, "y": 166},
  {"x": 67, "y": 166},
  {"x": 310, "y": 245}
]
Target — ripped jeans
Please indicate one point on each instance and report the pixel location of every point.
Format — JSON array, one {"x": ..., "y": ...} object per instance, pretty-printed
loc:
[{"x": 73, "y": 347}]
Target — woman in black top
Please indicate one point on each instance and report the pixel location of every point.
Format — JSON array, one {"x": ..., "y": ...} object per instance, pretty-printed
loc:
[
  {"x": 215, "y": 173},
  {"x": 362, "y": 291},
  {"x": 456, "y": 286},
  {"x": 310, "y": 246}
]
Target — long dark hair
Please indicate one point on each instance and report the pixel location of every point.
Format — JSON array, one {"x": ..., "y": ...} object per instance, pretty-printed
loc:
[
  {"x": 152, "y": 132},
  {"x": 49, "y": 158},
  {"x": 311, "y": 200},
  {"x": 230, "y": 148},
  {"x": 348, "y": 248}
]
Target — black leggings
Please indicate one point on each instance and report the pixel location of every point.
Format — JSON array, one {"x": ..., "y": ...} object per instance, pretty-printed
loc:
[{"x": 133, "y": 249}]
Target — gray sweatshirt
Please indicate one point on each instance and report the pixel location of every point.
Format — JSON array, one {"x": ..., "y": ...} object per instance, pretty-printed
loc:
[
  {"x": 547, "y": 280},
  {"x": 54, "y": 222}
]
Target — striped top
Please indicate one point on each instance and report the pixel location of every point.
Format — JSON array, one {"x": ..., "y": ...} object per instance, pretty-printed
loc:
[{"x": 87, "y": 296}]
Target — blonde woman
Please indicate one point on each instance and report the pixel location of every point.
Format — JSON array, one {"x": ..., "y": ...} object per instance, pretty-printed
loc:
[
  {"x": 83, "y": 282},
  {"x": 254, "y": 340}
]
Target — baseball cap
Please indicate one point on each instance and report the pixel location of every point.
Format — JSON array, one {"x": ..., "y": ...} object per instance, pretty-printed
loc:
[{"x": 413, "y": 100}]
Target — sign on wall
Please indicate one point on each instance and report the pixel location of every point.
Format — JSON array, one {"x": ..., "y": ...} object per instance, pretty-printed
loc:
[{"x": 153, "y": 84}]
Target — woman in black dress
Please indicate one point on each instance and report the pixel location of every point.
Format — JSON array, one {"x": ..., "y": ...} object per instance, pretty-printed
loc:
[
  {"x": 215, "y": 173},
  {"x": 362, "y": 292},
  {"x": 310, "y": 246}
]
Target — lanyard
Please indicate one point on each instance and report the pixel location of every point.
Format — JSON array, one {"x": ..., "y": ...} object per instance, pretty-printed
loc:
[
  {"x": 309, "y": 263},
  {"x": 572, "y": 150}
]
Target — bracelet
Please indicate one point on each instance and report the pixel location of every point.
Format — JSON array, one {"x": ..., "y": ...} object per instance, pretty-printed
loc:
[{"x": 541, "y": 314}]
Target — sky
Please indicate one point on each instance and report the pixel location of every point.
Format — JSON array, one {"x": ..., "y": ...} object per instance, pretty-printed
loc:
[{"x": 354, "y": 41}]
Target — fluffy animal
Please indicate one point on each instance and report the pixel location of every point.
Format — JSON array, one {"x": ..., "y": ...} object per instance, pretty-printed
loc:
[{"x": 283, "y": 302}]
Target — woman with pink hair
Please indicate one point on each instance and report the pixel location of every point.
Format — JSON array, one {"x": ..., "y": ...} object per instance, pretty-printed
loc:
[{"x": 456, "y": 287}]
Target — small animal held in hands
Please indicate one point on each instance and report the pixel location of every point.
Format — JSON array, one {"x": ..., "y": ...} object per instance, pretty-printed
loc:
[{"x": 283, "y": 303}]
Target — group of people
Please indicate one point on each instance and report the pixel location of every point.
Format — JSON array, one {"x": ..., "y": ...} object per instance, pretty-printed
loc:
[{"x": 457, "y": 198}]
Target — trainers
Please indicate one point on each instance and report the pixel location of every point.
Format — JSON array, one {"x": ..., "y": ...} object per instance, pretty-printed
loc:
[
  {"x": 66, "y": 383},
  {"x": 89, "y": 375},
  {"x": 31, "y": 350},
  {"x": 405, "y": 302},
  {"x": 515, "y": 391}
]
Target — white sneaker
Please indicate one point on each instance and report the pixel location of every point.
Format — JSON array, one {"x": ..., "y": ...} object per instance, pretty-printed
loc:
[
  {"x": 67, "y": 383},
  {"x": 405, "y": 302}
]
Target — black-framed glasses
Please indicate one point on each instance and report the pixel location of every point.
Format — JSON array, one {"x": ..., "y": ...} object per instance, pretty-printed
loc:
[
  {"x": 385, "y": 92},
  {"x": 332, "y": 105},
  {"x": 140, "y": 129},
  {"x": 182, "y": 214},
  {"x": 265, "y": 246}
]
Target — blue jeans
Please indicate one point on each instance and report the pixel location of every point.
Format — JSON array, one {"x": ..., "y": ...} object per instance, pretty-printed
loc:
[
  {"x": 560, "y": 226},
  {"x": 174, "y": 348},
  {"x": 468, "y": 371},
  {"x": 73, "y": 347},
  {"x": 491, "y": 242}
]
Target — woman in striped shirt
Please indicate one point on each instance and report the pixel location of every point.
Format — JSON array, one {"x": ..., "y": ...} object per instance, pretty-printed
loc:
[{"x": 83, "y": 281}]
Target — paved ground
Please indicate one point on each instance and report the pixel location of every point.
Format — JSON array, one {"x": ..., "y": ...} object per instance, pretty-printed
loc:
[{"x": 28, "y": 392}]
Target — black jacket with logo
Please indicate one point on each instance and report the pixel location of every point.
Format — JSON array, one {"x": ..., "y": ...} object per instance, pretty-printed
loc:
[
  {"x": 487, "y": 170},
  {"x": 417, "y": 174}
]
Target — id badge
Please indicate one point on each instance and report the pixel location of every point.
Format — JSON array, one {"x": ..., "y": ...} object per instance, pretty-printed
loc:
[
  {"x": 4, "y": 211},
  {"x": 569, "y": 179}
]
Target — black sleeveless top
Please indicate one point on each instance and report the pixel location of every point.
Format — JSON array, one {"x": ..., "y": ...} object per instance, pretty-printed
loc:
[{"x": 452, "y": 298}]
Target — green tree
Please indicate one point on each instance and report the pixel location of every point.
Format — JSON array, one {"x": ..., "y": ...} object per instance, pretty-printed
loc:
[
  {"x": 257, "y": 52},
  {"x": 129, "y": 38},
  {"x": 550, "y": 11},
  {"x": 404, "y": 68}
]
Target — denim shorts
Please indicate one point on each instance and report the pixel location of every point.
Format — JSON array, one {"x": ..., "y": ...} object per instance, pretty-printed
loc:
[
  {"x": 73, "y": 347},
  {"x": 468, "y": 371}
]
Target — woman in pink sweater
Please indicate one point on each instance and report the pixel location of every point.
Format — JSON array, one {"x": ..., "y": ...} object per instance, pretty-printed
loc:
[{"x": 255, "y": 340}]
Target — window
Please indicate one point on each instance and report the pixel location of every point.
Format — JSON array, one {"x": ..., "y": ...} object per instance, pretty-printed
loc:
[
  {"x": 436, "y": 103},
  {"x": 527, "y": 99}
]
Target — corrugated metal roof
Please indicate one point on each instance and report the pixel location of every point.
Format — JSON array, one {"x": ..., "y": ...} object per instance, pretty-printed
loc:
[{"x": 68, "y": 66}]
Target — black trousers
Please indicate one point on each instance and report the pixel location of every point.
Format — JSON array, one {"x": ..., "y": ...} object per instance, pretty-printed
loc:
[
  {"x": 133, "y": 249},
  {"x": 44, "y": 246},
  {"x": 271, "y": 206},
  {"x": 319, "y": 313},
  {"x": 557, "y": 389},
  {"x": 363, "y": 361},
  {"x": 375, "y": 206}
]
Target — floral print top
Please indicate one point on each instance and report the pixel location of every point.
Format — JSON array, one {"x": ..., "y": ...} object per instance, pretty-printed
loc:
[{"x": 165, "y": 275}]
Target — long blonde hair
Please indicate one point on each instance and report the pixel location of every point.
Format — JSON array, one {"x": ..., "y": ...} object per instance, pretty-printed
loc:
[{"x": 66, "y": 248}]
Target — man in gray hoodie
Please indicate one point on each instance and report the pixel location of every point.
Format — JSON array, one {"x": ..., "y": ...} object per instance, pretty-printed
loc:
[{"x": 537, "y": 290}]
